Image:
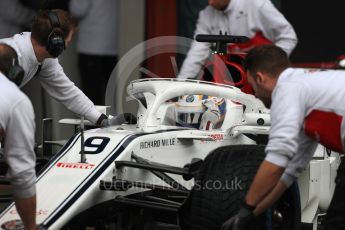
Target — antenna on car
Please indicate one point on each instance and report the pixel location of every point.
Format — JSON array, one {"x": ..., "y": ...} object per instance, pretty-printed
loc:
[{"x": 82, "y": 153}]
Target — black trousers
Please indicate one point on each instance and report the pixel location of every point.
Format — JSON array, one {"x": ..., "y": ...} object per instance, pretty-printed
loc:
[
  {"x": 95, "y": 72},
  {"x": 335, "y": 218}
]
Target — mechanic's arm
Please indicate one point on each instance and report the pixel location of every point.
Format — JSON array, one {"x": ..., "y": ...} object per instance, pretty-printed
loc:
[
  {"x": 265, "y": 180},
  {"x": 271, "y": 198},
  {"x": 21, "y": 159},
  {"x": 295, "y": 167},
  {"x": 287, "y": 116},
  {"x": 198, "y": 52},
  {"x": 276, "y": 28},
  {"x": 60, "y": 87},
  {"x": 26, "y": 208},
  {"x": 288, "y": 149}
]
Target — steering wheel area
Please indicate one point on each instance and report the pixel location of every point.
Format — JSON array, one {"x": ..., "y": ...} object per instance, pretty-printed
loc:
[{"x": 225, "y": 68}]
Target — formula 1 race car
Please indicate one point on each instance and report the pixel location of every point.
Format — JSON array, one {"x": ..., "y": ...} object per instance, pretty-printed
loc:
[{"x": 186, "y": 164}]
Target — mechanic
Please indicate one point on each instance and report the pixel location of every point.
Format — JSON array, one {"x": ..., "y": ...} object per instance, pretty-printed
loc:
[
  {"x": 307, "y": 108},
  {"x": 38, "y": 50},
  {"x": 17, "y": 129},
  {"x": 256, "y": 19}
]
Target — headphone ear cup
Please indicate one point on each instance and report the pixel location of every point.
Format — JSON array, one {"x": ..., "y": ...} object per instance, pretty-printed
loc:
[
  {"x": 55, "y": 43},
  {"x": 16, "y": 74}
]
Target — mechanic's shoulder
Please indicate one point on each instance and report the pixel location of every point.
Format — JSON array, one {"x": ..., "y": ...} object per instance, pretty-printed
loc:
[
  {"x": 16, "y": 38},
  {"x": 11, "y": 93},
  {"x": 18, "y": 96},
  {"x": 8, "y": 41},
  {"x": 291, "y": 75},
  {"x": 23, "y": 105},
  {"x": 19, "y": 42},
  {"x": 207, "y": 11},
  {"x": 291, "y": 85}
]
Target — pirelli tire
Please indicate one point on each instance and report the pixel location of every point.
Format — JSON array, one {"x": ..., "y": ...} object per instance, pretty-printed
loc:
[{"x": 221, "y": 185}]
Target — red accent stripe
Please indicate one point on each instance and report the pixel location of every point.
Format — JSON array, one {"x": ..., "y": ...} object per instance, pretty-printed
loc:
[
  {"x": 208, "y": 125},
  {"x": 325, "y": 127},
  {"x": 256, "y": 40}
]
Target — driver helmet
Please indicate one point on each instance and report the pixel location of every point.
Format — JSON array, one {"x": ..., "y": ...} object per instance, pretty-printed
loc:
[{"x": 191, "y": 108}]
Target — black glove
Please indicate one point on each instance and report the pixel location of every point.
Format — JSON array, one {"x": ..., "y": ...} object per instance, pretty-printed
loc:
[
  {"x": 101, "y": 119},
  {"x": 117, "y": 120},
  {"x": 241, "y": 220}
]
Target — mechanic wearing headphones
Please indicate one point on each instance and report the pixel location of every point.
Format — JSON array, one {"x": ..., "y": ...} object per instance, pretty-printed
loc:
[
  {"x": 256, "y": 19},
  {"x": 52, "y": 31},
  {"x": 307, "y": 108},
  {"x": 17, "y": 128}
]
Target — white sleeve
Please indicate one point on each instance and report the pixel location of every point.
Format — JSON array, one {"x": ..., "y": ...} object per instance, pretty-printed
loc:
[
  {"x": 276, "y": 28},
  {"x": 79, "y": 8},
  {"x": 287, "y": 117},
  {"x": 299, "y": 161},
  {"x": 19, "y": 149},
  {"x": 198, "y": 52},
  {"x": 288, "y": 146},
  {"x": 61, "y": 88}
]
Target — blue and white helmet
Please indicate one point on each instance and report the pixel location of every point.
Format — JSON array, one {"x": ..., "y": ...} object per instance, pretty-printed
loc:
[{"x": 190, "y": 109}]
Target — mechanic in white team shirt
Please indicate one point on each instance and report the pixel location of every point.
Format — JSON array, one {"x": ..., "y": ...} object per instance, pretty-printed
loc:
[
  {"x": 38, "y": 50},
  {"x": 256, "y": 19},
  {"x": 307, "y": 108},
  {"x": 17, "y": 129}
]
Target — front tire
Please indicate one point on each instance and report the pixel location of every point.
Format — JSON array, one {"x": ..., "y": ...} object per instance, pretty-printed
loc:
[{"x": 222, "y": 184}]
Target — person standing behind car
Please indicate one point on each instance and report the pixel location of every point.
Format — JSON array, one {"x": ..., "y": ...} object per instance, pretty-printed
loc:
[
  {"x": 52, "y": 31},
  {"x": 97, "y": 43},
  {"x": 17, "y": 128},
  {"x": 257, "y": 19}
]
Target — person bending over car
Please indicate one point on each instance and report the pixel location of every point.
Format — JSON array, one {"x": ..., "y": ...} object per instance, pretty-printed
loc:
[
  {"x": 257, "y": 19},
  {"x": 17, "y": 129},
  {"x": 52, "y": 31},
  {"x": 307, "y": 108}
]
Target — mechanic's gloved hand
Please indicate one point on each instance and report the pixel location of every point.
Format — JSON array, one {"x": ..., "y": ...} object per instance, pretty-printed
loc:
[
  {"x": 209, "y": 119},
  {"x": 117, "y": 120},
  {"x": 241, "y": 220}
]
